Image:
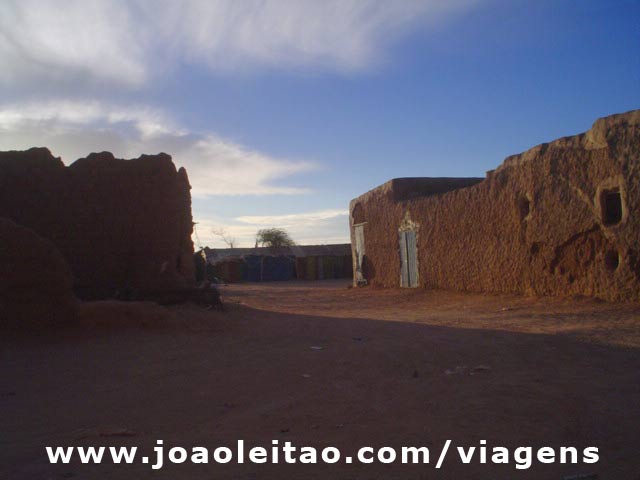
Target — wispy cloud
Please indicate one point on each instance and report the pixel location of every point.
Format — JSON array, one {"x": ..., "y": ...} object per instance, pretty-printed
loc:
[
  {"x": 72, "y": 41},
  {"x": 294, "y": 219},
  {"x": 62, "y": 113},
  {"x": 216, "y": 166},
  {"x": 128, "y": 42},
  {"x": 113, "y": 50}
]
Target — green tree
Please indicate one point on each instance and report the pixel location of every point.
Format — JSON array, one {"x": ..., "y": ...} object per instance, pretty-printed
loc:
[{"x": 274, "y": 237}]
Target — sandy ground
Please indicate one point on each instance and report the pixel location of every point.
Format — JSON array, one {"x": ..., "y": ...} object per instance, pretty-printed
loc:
[{"x": 555, "y": 372}]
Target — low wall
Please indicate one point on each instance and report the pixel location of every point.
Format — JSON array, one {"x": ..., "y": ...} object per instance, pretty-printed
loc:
[{"x": 266, "y": 268}]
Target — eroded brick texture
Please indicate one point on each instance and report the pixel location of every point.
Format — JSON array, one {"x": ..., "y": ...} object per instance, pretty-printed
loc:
[{"x": 559, "y": 219}]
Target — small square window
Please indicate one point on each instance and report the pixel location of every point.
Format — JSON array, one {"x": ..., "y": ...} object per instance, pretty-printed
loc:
[{"x": 611, "y": 207}]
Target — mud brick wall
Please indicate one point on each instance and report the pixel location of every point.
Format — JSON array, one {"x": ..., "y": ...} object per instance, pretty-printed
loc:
[
  {"x": 559, "y": 219},
  {"x": 118, "y": 223},
  {"x": 36, "y": 284}
]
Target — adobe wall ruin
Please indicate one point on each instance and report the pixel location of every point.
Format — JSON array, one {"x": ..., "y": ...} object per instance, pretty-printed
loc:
[
  {"x": 559, "y": 219},
  {"x": 36, "y": 284},
  {"x": 120, "y": 224}
]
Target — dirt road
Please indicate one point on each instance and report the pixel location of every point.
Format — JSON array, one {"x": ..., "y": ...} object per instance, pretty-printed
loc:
[{"x": 318, "y": 364}]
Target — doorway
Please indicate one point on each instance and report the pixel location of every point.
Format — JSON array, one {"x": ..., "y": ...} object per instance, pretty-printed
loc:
[
  {"x": 408, "y": 259},
  {"x": 359, "y": 234}
]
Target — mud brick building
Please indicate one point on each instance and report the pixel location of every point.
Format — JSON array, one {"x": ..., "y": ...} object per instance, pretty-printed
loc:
[
  {"x": 562, "y": 218},
  {"x": 118, "y": 223}
]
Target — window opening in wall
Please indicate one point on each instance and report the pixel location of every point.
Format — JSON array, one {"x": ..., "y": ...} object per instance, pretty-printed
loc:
[
  {"x": 612, "y": 260},
  {"x": 524, "y": 207},
  {"x": 358, "y": 214},
  {"x": 611, "y": 207}
]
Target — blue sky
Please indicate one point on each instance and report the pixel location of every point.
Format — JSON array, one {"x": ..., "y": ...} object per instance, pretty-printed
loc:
[{"x": 282, "y": 110}]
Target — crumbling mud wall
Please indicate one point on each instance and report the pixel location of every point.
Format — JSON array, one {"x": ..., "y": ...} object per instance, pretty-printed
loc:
[
  {"x": 122, "y": 225},
  {"x": 36, "y": 284},
  {"x": 559, "y": 219}
]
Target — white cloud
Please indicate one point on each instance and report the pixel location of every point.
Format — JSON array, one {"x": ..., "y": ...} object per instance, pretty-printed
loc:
[
  {"x": 74, "y": 113},
  {"x": 71, "y": 40},
  {"x": 220, "y": 167},
  {"x": 294, "y": 219},
  {"x": 334, "y": 34},
  {"x": 216, "y": 166},
  {"x": 127, "y": 42}
]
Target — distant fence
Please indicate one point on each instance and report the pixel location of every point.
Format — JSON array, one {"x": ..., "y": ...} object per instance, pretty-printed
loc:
[{"x": 266, "y": 268}]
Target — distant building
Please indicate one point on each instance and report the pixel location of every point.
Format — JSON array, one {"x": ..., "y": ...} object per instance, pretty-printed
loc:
[
  {"x": 559, "y": 219},
  {"x": 260, "y": 264}
]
